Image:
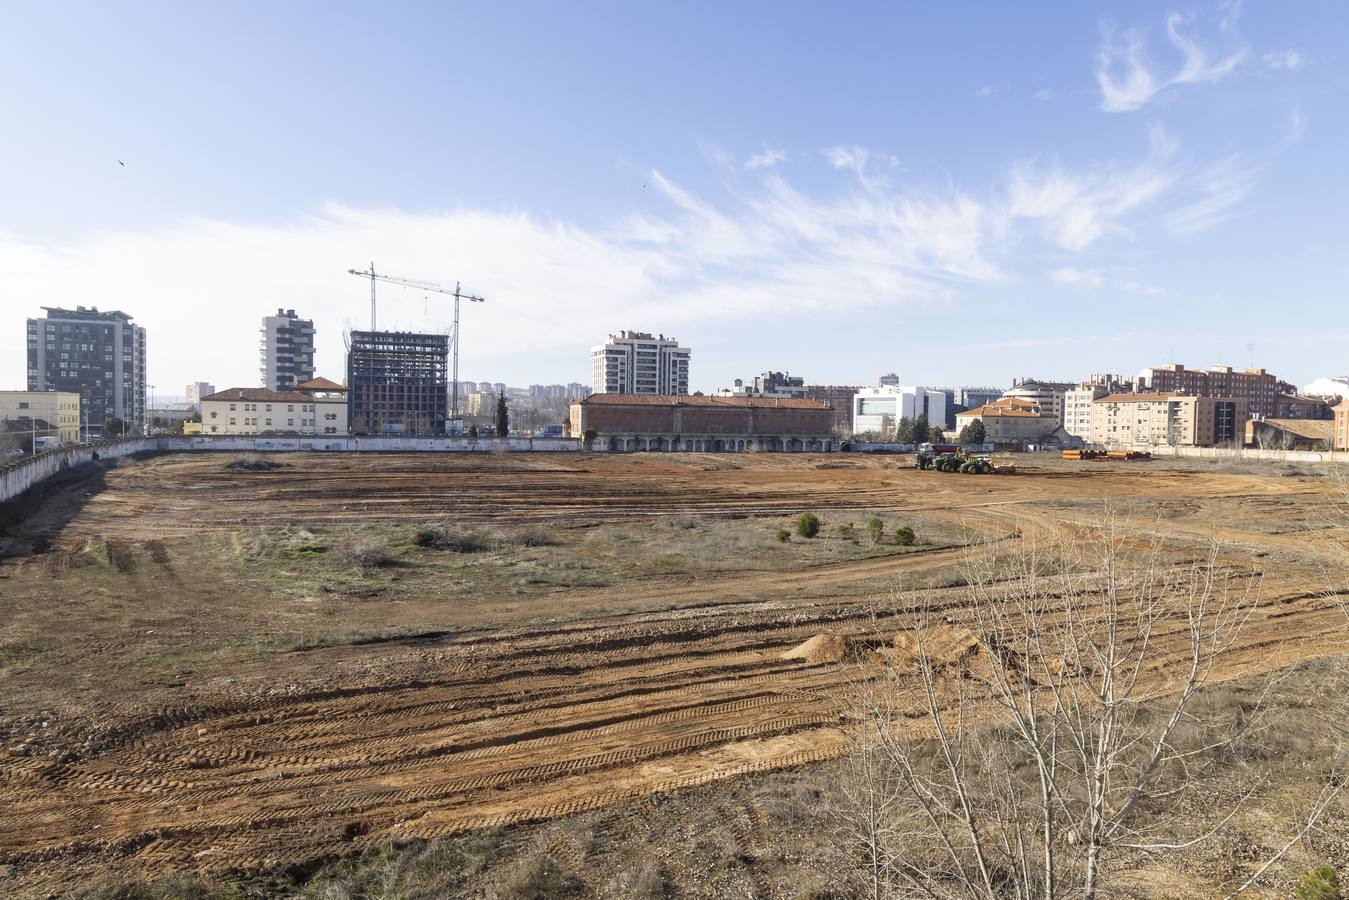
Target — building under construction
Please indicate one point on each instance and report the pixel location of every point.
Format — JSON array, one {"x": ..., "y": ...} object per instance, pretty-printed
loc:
[{"x": 397, "y": 382}]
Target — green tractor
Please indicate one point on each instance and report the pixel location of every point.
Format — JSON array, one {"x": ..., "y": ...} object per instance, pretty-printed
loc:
[{"x": 954, "y": 462}]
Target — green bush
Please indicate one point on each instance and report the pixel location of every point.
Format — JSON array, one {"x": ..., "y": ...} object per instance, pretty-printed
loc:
[
  {"x": 784, "y": 535},
  {"x": 846, "y": 531},
  {"x": 1318, "y": 884},
  {"x": 904, "y": 536},
  {"x": 808, "y": 525},
  {"x": 876, "y": 528}
]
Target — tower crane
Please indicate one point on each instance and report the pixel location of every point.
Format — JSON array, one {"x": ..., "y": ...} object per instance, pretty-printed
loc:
[{"x": 457, "y": 293}]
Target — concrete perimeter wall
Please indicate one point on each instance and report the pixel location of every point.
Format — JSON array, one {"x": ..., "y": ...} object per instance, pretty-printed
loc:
[
  {"x": 1243, "y": 454},
  {"x": 24, "y": 473}
]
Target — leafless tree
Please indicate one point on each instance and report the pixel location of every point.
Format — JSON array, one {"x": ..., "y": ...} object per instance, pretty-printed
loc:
[{"x": 1034, "y": 748}]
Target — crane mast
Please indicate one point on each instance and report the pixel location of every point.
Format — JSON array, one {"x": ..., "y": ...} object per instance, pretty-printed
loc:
[{"x": 457, "y": 294}]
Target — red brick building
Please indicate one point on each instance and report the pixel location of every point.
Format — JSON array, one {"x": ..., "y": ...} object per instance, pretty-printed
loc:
[
  {"x": 1260, "y": 389},
  {"x": 623, "y": 422}
]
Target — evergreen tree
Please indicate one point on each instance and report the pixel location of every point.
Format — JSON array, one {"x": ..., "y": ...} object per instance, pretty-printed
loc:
[
  {"x": 920, "y": 430},
  {"x": 114, "y": 426},
  {"x": 502, "y": 418},
  {"x": 973, "y": 433},
  {"x": 904, "y": 431}
]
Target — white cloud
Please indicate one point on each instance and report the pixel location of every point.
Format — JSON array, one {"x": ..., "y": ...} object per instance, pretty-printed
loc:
[
  {"x": 1088, "y": 278},
  {"x": 552, "y": 286},
  {"x": 1128, "y": 79},
  {"x": 856, "y": 160},
  {"x": 1046, "y": 94},
  {"x": 988, "y": 90},
  {"x": 1076, "y": 208},
  {"x": 1219, "y": 187},
  {"x": 1287, "y": 60},
  {"x": 767, "y": 159},
  {"x": 1143, "y": 290}
]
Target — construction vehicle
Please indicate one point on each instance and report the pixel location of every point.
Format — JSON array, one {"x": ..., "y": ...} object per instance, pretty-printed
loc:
[{"x": 959, "y": 461}]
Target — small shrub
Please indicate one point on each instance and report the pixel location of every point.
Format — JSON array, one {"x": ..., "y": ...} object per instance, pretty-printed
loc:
[
  {"x": 642, "y": 881},
  {"x": 683, "y": 522},
  {"x": 1318, "y": 884},
  {"x": 904, "y": 536},
  {"x": 538, "y": 878},
  {"x": 846, "y": 531},
  {"x": 444, "y": 537},
  {"x": 808, "y": 525},
  {"x": 876, "y": 529},
  {"x": 784, "y": 535},
  {"x": 254, "y": 462},
  {"x": 363, "y": 553}
]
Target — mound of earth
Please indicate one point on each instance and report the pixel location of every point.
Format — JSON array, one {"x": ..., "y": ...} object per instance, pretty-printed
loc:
[
  {"x": 827, "y": 648},
  {"x": 944, "y": 644}
]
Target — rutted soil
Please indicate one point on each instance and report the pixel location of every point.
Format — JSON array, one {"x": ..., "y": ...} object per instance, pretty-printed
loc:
[{"x": 302, "y": 755}]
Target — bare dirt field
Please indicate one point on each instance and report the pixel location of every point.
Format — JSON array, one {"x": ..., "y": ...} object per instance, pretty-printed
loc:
[{"x": 205, "y": 668}]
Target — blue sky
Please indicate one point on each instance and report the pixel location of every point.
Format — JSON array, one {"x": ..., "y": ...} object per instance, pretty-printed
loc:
[{"x": 959, "y": 193}]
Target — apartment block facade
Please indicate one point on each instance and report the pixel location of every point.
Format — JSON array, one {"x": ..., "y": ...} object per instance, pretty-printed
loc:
[
  {"x": 840, "y": 398},
  {"x": 49, "y": 414},
  {"x": 635, "y": 362},
  {"x": 1260, "y": 390},
  {"x": 98, "y": 355},
  {"x": 286, "y": 347},
  {"x": 1168, "y": 419}
]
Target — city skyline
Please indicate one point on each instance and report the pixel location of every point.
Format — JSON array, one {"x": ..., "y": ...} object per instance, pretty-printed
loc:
[{"x": 959, "y": 198}]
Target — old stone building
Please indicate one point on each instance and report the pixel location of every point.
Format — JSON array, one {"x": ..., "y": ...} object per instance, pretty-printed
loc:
[{"x": 627, "y": 422}]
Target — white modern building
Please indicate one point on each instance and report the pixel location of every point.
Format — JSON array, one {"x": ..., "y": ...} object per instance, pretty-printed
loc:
[
  {"x": 769, "y": 384},
  {"x": 880, "y": 409},
  {"x": 287, "y": 350},
  {"x": 635, "y": 362}
]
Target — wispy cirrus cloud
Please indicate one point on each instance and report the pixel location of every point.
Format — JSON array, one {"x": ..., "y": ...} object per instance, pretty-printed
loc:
[
  {"x": 767, "y": 159},
  {"x": 1078, "y": 207},
  {"x": 857, "y": 160},
  {"x": 1088, "y": 278},
  {"x": 1128, "y": 79},
  {"x": 1217, "y": 189},
  {"x": 758, "y": 246},
  {"x": 1287, "y": 60}
]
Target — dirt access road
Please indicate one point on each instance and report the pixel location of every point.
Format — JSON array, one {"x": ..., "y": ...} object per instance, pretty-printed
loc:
[{"x": 501, "y": 705}]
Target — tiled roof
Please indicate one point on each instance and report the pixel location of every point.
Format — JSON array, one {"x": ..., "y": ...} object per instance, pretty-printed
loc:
[
  {"x": 1316, "y": 429},
  {"x": 699, "y": 400},
  {"x": 992, "y": 412},
  {"x": 320, "y": 384},
  {"x": 262, "y": 395}
]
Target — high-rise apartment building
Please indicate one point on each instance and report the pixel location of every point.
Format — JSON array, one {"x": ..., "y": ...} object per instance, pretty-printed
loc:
[
  {"x": 1258, "y": 388},
  {"x": 287, "y": 350},
  {"x": 196, "y": 390},
  {"x": 634, "y": 362},
  {"x": 398, "y": 382},
  {"x": 98, "y": 355}
]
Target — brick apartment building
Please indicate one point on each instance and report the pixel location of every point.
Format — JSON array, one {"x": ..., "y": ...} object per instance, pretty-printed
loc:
[
  {"x": 1260, "y": 390},
  {"x": 840, "y": 397},
  {"x": 627, "y": 422}
]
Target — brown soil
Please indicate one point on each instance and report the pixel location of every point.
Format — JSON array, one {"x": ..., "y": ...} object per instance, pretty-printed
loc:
[{"x": 500, "y": 707}]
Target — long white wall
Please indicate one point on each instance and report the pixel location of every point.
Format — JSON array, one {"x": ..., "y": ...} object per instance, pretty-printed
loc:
[{"x": 25, "y": 473}]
